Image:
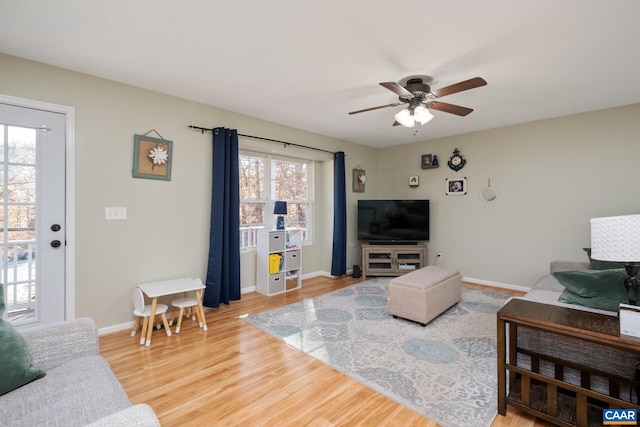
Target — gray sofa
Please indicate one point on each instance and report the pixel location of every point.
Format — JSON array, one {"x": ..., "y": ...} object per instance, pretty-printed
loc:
[
  {"x": 79, "y": 387},
  {"x": 547, "y": 289}
]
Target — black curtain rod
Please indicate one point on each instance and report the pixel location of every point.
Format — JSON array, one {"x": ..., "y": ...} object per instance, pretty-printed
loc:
[{"x": 203, "y": 130}]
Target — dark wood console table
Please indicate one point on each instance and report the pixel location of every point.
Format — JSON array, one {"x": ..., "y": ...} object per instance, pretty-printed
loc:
[{"x": 550, "y": 397}]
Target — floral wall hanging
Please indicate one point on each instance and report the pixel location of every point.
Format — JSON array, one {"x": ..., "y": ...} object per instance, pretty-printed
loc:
[
  {"x": 358, "y": 178},
  {"x": 152, "y": 157}
]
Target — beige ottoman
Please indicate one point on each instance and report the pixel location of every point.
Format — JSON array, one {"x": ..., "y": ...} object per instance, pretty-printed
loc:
[{"x": 424, "y": 294}]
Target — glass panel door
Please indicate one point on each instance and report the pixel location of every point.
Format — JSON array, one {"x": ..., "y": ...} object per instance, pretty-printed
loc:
[
  {"x": 32, "y": 214},
  {"x": 18, "y": 220}
]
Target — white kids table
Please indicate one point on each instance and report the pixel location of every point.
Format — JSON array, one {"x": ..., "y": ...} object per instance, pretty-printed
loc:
[{"x": 154, "y": 290}]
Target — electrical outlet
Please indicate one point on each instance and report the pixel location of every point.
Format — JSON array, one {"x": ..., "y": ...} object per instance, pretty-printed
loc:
[{"x": 440, "y": 257}]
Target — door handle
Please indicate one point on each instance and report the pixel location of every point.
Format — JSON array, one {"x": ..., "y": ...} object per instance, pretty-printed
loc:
[{"x": 55, "y": 243}]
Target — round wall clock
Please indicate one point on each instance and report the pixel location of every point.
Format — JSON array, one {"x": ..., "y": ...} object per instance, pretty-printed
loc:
[{"x": 456, "y": 162}]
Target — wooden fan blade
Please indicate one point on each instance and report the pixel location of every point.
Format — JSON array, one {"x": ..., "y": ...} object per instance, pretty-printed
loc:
[
  {"x": 449, "y": 108},
  {"x": 397, "y": 89},
  {"x": 459, "y": 87},
  {"x": 377, "y": 108}
]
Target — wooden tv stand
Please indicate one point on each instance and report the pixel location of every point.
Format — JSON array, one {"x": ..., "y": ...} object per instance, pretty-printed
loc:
[
  {"x": 553, "y": 398},
  {"x": 392, "y": 260}
]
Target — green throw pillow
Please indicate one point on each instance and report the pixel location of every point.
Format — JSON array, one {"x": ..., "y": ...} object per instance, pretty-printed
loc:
[
  {"x": 601, "y": 289},
  {"x": 15, "y": 359},
  {"x": 595, "y": 264}
]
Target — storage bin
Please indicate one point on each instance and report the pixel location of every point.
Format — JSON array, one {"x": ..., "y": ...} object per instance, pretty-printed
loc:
[
  {"x": 276, "y": 283},
  {"x": 293, "y": 260},
  {"x": 291, "y": 281},
  {"x": 276, "y": 241}
]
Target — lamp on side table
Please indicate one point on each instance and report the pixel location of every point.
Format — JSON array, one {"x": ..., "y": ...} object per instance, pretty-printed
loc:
[{"x": 617, "y": 238}]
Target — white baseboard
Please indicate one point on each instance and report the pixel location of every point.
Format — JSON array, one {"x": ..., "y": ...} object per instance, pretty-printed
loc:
[
  {"x": 495, "y": 284},
  {"x": 115, "y": 328},
  {"x": 316, "y": 274}
]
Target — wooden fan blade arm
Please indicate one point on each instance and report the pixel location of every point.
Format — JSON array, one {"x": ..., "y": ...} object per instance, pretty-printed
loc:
[
  {"x": 377, "y": 108},
  {"x": 397, "y": 89},
  {"x": 459, "y": 87},
  {"x": 448, "y": 108}
]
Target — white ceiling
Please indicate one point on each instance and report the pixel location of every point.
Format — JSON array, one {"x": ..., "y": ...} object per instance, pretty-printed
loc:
[{"x": 306, "y": 64}]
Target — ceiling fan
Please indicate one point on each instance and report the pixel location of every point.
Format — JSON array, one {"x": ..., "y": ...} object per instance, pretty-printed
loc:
[{"x": 420, "y": 98}]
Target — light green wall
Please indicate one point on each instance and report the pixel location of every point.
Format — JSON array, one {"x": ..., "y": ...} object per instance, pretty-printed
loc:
[
  {"x": 552, "y": 175},
  {"x": 167, "y": 227}
]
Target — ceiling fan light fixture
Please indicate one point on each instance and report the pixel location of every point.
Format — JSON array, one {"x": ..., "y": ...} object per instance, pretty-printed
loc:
[
  {"x": 416, "y": 94},
  {"x": 422, "y": 115},
  {"x": 405, "y": 118}
]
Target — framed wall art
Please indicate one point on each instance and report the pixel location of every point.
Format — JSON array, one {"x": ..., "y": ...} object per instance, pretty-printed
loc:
[
  {"x": 358, "y": 179},
  {"x": 152, "y": 157},
  {"x": 429, "y": 161},
  {"x": 456, "y": 186},
  {"x": 425, "y": 161}
]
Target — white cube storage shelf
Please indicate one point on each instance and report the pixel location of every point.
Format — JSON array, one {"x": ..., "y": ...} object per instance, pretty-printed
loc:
[{"x": 279, "y": 259}]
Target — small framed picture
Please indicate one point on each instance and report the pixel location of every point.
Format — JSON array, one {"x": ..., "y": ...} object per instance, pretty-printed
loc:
[
  {"x": 456, "y": 186},
  {"x": 358, "y": 179},
  {"x": 426, "y": 161},
  {"x": 152, "y": 158},
  {"x": 414, "y": 181}
]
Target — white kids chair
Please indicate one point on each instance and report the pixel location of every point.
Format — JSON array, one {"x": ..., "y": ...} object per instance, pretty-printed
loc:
[
  {"x": 190, "y": 304},
  {"x": 142, "y": 311}
]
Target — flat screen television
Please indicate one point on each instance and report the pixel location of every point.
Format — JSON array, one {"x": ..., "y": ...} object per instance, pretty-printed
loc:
[{"x": 393, "y": 221}]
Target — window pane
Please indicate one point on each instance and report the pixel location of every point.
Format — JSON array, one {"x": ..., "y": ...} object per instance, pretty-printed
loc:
[
  {"x": 21, "y": 252},
  {"x": 251, "y": 169},
  {"x": 22, "y": 145},
  {"x": 22, "y": 217},
  {"x": 251, "y": 214},
  {"x": 251, "y": 177},
  {"x": 290, "y": 180},
  {"x": 302, "y": 212},
  {"x": 21, "y": 235},
  {"x": 22, "y": 184},
  {"x": 297, "y": 215}
]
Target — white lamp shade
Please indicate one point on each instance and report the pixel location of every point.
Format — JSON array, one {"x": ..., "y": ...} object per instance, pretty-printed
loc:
[
  {"x": 616, "y": 238},
  {"x": 405, "y": 118},
  {"x": 422, "y": 115}
]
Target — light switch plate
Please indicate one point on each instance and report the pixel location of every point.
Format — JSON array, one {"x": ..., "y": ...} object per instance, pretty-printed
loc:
[{"x": 115, "y": 214}]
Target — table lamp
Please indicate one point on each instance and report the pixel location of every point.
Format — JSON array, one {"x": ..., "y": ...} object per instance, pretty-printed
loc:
[
  {"x": 617, "y": 239},
  {"x": 280, "y": 209}
]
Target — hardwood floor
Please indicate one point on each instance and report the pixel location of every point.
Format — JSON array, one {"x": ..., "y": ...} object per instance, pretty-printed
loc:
[{"x": 235, "y": 374}]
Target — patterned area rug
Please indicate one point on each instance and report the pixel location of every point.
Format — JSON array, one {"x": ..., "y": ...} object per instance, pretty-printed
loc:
[{"x": 445, "y": 371}]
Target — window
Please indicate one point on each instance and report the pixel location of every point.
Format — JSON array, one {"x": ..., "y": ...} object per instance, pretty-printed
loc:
[
  {"x": 290, "y": 182},
  {"x": 265, "y": 179},
  {"x": 252, "y": 198}
]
